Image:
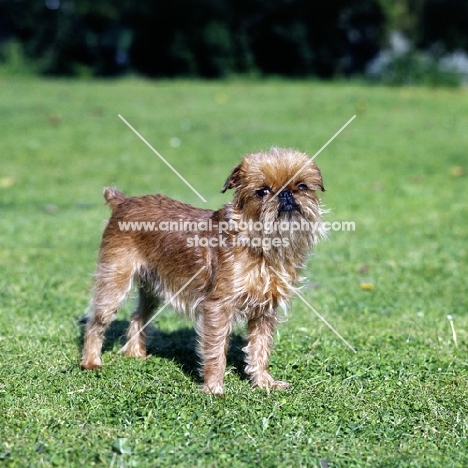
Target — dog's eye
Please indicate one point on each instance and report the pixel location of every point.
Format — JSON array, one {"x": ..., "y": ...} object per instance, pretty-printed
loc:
[
  {"x": 302, "y": 187},
  {"x": 262, "y": 192}
]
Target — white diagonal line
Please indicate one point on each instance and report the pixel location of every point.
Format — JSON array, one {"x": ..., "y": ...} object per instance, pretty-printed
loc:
[
  {"x": 313, "y": 157},
  {"x": 162, "y": 308},
  {"x": 304, "y": 300},
  {"x": 160, "y": 157}
]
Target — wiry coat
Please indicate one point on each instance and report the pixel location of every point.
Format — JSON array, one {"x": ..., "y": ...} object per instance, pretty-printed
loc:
[{"x": 243, "y": 271}]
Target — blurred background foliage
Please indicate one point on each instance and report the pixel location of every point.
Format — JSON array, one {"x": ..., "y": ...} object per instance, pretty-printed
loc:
[{"x": 218, "y": 38}]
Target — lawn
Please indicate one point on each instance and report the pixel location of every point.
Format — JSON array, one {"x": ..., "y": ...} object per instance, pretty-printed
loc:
[{"x": 398, "y": 171}]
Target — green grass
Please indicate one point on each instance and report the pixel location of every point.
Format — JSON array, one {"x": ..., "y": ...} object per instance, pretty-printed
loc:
[{"x": 401, "y": 401}]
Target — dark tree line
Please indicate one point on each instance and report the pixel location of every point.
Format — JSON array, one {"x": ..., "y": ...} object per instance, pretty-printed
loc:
[{"x": 213, "y": 38}]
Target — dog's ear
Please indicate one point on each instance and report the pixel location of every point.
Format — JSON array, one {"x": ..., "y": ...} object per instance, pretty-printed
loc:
[
  {"x": 233, "y": 180},
  {"x": 318, "y": 182}
]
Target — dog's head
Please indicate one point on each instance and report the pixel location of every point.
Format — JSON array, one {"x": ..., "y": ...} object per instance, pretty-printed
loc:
[{"x": 276, "y": 186}]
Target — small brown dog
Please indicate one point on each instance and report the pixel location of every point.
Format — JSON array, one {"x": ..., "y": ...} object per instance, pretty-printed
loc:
[{"x": 240, "y": 262}]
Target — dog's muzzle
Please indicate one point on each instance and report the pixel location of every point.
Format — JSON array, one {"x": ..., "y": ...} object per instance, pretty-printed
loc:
[{"x": 287, "y": 203}]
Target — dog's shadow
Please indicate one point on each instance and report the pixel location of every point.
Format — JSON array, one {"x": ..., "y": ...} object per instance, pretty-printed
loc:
[{"x": 178, "y": 346}]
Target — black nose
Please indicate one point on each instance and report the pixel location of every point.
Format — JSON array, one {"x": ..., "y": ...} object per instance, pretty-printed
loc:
[
  {"x": 286, "y": 196},
  {"x": 287, "y": 202}
]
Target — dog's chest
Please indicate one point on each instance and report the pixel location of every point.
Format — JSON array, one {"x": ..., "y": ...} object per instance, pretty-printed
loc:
[{"x": 257, "y": 285}]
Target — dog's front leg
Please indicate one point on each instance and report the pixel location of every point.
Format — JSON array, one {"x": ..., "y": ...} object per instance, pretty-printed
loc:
[
  {"x": 214, "y": 329},
  {"x": 260, "y": 330}
]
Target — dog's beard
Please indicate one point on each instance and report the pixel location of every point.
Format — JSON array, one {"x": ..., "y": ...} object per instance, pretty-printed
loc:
[
  {"x": 299, "y": 226},
  {"x": 282, "y": 235}
]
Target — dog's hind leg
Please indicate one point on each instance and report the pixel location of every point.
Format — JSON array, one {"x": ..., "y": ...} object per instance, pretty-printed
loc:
[
  {"x": 113, "y": 282},
  {"x": 136, "y": 333}
]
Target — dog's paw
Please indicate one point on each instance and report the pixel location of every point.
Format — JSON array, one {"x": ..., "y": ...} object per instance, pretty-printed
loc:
[
  {"x": 213, "y": 389},
  {"x": 88, "y": 364},
  {"x": 135, "y": 351},
  {"x": 280, "y": 384},
  {"x": 267, "y": 382}
]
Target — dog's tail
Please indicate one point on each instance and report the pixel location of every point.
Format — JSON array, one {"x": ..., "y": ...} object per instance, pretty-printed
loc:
[{"x": 114, "y": 197}]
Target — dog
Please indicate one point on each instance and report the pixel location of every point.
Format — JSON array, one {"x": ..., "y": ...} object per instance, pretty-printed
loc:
[{"x": 239, "y": 262}]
